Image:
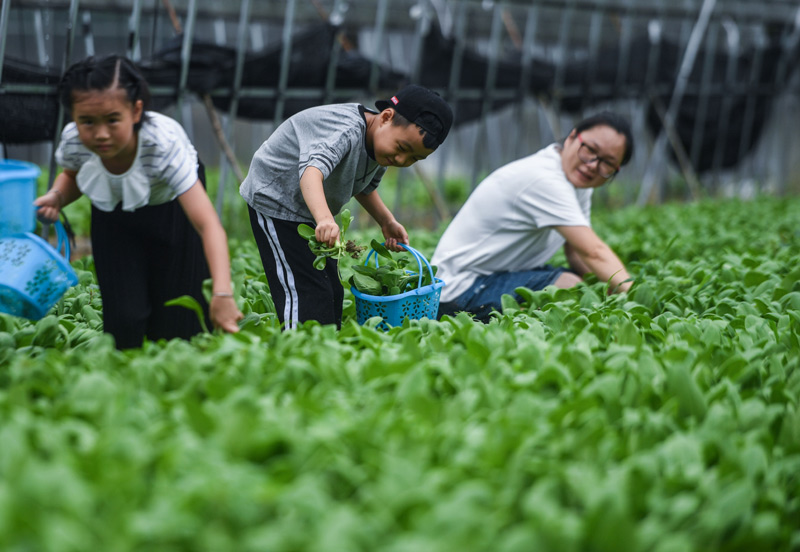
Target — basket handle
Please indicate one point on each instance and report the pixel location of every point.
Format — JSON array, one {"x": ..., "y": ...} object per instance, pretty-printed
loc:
[
  {"x": 63, "y": 238},
  {"x": 417, "y": 255},
  {"x": 63, "y": 234}
]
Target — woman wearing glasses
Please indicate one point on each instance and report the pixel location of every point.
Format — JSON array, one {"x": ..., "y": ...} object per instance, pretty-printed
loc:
[{"x": 522, "y": 213}]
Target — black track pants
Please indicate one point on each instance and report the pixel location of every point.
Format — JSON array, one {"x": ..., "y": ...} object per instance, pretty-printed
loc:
[{"x": 300, "y": 291}]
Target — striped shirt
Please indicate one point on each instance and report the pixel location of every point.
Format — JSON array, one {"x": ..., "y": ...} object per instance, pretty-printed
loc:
[{"x": 164, "y": 168}]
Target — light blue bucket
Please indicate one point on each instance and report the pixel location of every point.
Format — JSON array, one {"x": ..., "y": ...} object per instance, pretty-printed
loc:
[
  {"x": 17, "y": 192},
  {"x": 33, "y": 275}
]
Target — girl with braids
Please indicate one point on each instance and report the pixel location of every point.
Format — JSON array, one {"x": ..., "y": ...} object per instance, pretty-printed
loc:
[{"x": 155, "y": 234}]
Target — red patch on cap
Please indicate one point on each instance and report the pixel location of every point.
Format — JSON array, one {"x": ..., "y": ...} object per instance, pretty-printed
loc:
[{"x": 395, "y": 101}]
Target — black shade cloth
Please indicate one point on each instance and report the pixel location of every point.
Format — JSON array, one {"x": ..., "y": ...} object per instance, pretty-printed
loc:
[{"x": 733, "y": 114}]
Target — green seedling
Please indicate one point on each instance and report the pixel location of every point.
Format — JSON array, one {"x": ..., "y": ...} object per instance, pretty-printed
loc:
[
  {"x": 323, "y": 251},
  {"x": 390, "y": 278},
  {"x": 189, "y": 302}
]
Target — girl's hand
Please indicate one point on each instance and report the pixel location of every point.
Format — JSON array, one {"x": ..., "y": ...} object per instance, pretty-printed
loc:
[
  {"x": 224, "y": 313},
  {"x": 49, "y": 206},
  {"x": 327, "y": 231},
  {"x": 394, "y": 233}
]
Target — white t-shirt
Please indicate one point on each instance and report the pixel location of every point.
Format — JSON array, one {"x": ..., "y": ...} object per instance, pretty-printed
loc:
[
  {"x": 506, "y": 224},
  {"x": 165, "y": 166}
]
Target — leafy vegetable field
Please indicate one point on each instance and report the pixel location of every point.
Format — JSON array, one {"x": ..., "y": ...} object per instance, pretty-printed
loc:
[{"x": 667, "y": 419}]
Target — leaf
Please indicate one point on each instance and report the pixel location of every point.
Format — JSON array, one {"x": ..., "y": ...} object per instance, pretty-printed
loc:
[
  {"x": 347, "y": 218},
  {"x": 306, "y": 232},
  {"x": 683, "y": 386},
  {"x": 365, "y": 284},
  {"x": 791, "y": 301},
  {"x": 47, "y": 332},
  {"x": 196, "y": 417},
  {"x": 427, "y": 276},
  {"x": 589, "y": 298},
  {"x": 752, "y": 278},
  {"x": 644, "y": 295},
  {"x": 320, "y": 261},
  {"x": 189, "y": 302},
  {"x": 90, "y": 314},
  {"x": 381, "y": 250},
  {"x": 408, "y": 281},
  {"x": 508, "y": 304},
  {"x": 528, "y": 296},
  {"x": 628, "y": 334}
]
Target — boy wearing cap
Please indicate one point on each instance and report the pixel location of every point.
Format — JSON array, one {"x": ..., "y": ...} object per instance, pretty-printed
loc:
[{"x": 310, "y": 167}]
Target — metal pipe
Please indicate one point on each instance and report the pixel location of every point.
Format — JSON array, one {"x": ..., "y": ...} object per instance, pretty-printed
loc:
[
  {"x": 241, "y": 49},
  {"x": 334, "y": 19},
  {"x": 454, "y": 81},
  {"x": 41, "y": 52},
  {"x": 780, "y": 148},
  {"x": 625, "y": 39},
  {"x": 286, "y": 59},
  {"x": 732, "y": 42},
  {"x": 654, "y": 32},
  {"x": 753, "y": 91},
  {"x": 71, "y": 20},
  {"x": 593, "y": 47},
  {"x": 422, "y": 28},
  {"x": 528, "y": 43},
  {"x": 5, "y": 11},
  {"x": 493, "y": 139},
  {"x": 657, "y": 157},
  {"x": 134, "y": 50},
  {"x": 698, "y": 132},
  {"x": 186, "y": 56},
  {"x": 561, "y": 58},
  {"x": 380, "y": 26},
  {"x": 88, "y": 35}
]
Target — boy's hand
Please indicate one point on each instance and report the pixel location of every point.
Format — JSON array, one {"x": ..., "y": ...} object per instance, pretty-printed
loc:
[
  {"x": 394, "y": 233},
  {"x": 49, "y": 207},
  {"x": 327, "y": 231}
]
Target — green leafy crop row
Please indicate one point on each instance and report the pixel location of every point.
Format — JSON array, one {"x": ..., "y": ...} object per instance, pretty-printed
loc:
[{"x": 665, "y": 419}]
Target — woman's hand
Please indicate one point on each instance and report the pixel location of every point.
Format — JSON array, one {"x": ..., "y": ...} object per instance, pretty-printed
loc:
[
  {"x": 224, "y": 313},
  {"x": 395, "y": 233}
]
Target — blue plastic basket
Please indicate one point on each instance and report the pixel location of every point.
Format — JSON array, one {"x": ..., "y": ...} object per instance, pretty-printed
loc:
[
  {"x": 17, "y": 192},
  {"x": 416, "y": 304},
  {"x": 33, "y": 274}
]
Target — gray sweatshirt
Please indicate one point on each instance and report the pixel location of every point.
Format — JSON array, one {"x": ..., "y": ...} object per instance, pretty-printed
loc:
[{"x": 331, "y": 138}]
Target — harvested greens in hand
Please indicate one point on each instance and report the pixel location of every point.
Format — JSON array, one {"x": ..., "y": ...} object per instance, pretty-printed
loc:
[{"x": 337, "y": 250}]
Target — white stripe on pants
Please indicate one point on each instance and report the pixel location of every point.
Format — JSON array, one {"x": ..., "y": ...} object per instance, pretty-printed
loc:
[{"x": 285, "y": 275}]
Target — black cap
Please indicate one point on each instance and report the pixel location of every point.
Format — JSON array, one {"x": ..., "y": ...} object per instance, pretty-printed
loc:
[{"x": 413, "y": 100}]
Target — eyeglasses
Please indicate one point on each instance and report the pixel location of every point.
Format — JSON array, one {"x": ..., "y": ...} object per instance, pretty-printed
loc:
[{"x": 587, "y": 154}]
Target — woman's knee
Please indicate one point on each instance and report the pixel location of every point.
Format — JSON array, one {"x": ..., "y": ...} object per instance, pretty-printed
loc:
[{"x": 567, "y": 280}]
